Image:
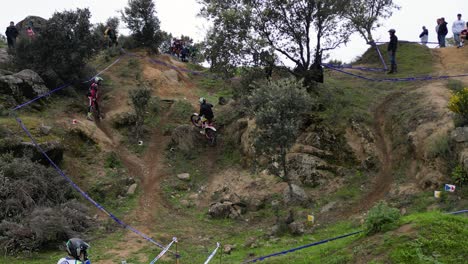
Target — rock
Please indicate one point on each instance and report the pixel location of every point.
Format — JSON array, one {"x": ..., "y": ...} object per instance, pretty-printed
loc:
[
  {"x": 2, "y": 71},
  {"x": 38, "y": 24},
  {"x": 53, "y": 149},
  {"x": 25, "y": 83},
  {"x": 222, "y": 101},
  {"x": 45, "y": 129},
  {"x": 132, "y": 189},
  {"x": 460, "y": 134},
  {"x": 327, "y": 207},
  {"x": 172, "y": 76},
  {"x": 228, "y": 249},
  {"x": 184, "y": 176},
  {"x": 186, "y": 203},
  {"x": 295, "y": 195},
  {"x": 185, "y": 138},
  {"x": 220, "y": 210},
  {"x": 5, "y": 58},
  {"x": 403, "y": 211},
  {"x": 309, "y": 169},
  {"x": 193, "y": 196},
  {"x": 296, "y": 228},
  {"x": 251, "y": 242}
]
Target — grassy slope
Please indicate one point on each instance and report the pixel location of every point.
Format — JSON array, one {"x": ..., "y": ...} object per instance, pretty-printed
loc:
[{"x": 344, "y": 98}]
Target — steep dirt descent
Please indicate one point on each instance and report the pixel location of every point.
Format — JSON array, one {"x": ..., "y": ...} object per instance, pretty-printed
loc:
[{"x": 447, "y": 61}]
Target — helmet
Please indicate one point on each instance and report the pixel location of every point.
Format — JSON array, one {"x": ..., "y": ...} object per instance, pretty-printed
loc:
[
  {"x": 75, "y": 247},
  {"x": 392, "y": 30},
  {"x": 98, "y": 79},
  {"x": 202, "y": 100}
]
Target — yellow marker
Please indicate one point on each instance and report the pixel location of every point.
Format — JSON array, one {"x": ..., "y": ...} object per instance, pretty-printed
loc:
[
  {"x": 437, "y": 194},
  {"x": 310, "y": 218}
]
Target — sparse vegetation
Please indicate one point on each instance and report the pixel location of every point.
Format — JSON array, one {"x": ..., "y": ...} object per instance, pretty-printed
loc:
[
  {"x": 459, "y": 103},
  {"x": 380, "y": 218}
]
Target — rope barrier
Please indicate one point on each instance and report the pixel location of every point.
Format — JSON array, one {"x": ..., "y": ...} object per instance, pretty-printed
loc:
[
  {"x": 405, "y": 79},
  {"x": 212, "y": 254},
  {"x": 174, "y": 240},
  {"x": 408, "y": 41},
  {"x": 302, "y": 247},
  {"x": 62, "y": 87},
  {"x": 349, "y": 66}
]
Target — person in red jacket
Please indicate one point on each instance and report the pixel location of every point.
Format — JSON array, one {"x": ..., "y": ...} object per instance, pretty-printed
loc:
[{"x": 93, "y": 96}]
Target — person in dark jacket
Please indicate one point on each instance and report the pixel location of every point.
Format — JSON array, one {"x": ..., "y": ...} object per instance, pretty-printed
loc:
[
  {"x": 11, "y": 34},
  {"x": 442, "y": 32},
  {"x": 424, "y": 36},
  {"x": 205, "y": 110},
  {"x": 392, "y": 48}
]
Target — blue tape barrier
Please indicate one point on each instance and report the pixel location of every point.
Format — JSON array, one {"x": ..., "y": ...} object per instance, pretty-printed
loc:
[
  {"x": 407, "y": 41},
  {"x": 174, "y": 240},
  {"x": 406, "y": 79},
  {"x": 84, "y": 194},
  {"x": 349, "y": 66},
  {"x": 212, "y": 254},
  {"x": 302, "y": 247},
  {"x": 321, "y": 242},
  {"x": 62, "y": 87}
]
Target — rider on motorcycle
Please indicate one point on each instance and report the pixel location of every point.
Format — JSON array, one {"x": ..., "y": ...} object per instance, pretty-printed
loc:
[
  {"x": 206, "y": 113},
  {"x": 77, "y": 252}
]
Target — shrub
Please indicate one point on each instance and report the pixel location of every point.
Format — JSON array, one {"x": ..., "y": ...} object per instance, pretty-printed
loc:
[
  {"x": 380, "y": 217},
  {"x": 140, "y": 99},
  {"x": 459, "y": 175},
  {"x": 459, "y": 103},
  {"x": 37, "y": 207},
  {"x": 440, "y": 147}
]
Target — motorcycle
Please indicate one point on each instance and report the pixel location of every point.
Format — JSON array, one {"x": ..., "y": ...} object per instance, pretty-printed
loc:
[{"x": 208, "y": 128}]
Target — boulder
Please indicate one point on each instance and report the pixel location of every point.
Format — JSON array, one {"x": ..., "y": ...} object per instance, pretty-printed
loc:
[
  {"x": 184, "y": 176},
  {"x": 38, "y": 24},
  {"x": 460, "y": 134},
  {"x": 228, "y": 249},
  {"x": 5, "y": 58},
  {"x": 53, "y": 149},
  {"x": 186, "y": 138},
  {"x": 131, "y": 190},
  {"x": 45, "y": 129},
  {"x": 225, "y": 210},
  {"x": 25, "y": 83},
  {"x": 296, "y": 228},
  {"x": 295, "y": 195},
  {"x": 310, "y": 170}
]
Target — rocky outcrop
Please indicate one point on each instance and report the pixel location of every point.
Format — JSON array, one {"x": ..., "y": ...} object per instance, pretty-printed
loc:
[
  {"x": 186, "y": 138},
  {"x": 225, "y": 210},
  {"x": 5, "y": 59},
  {"x": 25, "y": 83},
  {"x": 38, "y": 24},
  {"x": 295, "y": 195}
]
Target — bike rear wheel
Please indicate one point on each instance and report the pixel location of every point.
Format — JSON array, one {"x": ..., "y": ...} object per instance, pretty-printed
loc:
[
  {"x": 211, "y": 136},
  {"x": 196, "y": 120}
]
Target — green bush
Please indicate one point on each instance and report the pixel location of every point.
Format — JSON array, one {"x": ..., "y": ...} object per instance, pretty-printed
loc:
[
  {"x": 380, "y": 217},
  {"x": 459, "y": 175},
  {"x": 459, "y": 103}
]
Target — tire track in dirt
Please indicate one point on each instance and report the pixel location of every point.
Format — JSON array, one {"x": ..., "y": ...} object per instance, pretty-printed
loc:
[{"x": 382, "y": 182}]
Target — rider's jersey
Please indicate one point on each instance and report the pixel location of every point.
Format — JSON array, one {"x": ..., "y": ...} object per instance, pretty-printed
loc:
[
  {"x": 72, "y": 261},
  {"x": 205, "y": 110}
]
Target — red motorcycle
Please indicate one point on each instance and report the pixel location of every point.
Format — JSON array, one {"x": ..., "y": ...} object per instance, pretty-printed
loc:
[{"x": 207, "y": 128}]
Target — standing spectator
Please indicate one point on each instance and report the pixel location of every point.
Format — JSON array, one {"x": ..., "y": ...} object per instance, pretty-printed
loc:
[
  {"x": 392, "y": 48},
  {"x": 424, "y": 36},
  {"x": 442, "y": 32},
  {"x": 457, "y": 28},
  {"x": 11, "y": 33},
  {"x": 31, "y": 33},
  {"x": 464, "y": 34}
]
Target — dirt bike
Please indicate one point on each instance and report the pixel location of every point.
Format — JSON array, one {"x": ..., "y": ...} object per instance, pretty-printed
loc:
[{"x": 208, "y": 128}]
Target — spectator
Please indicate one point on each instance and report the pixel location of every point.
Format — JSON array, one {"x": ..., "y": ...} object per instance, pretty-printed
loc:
[
  {"x": 442, "y": 32},
  {"x": 11, "y": 34},
  {"x": 31, "y": 33},
  {"x": 457, "y": 28},
  {"x": 424, "y": 36},
  {"x": 464, "y": 34},
  {"x": 392, "y": 48}
]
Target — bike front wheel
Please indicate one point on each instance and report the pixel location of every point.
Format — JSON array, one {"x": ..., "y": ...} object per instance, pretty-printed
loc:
[{"x": 196, "y": 120}]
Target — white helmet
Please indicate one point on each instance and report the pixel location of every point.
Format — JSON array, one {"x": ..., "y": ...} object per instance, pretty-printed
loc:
[
  {"x": 98, "y": 79},
  {"x": 202, "y": 100}
]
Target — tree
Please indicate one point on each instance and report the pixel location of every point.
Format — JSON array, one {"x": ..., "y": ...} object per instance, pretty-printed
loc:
[
  {"x": 278, "y": 107},
  {"x": 364, "y": 15},
  {"x": 63, "y": 46},
  {"x": 140, "y": 17},
  {"x": 287, "y": 27},
  {"x": 140, "y": 99}
]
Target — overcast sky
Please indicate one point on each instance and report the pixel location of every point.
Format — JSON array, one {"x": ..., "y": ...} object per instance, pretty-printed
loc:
[{"x": 179, "y": 17}]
